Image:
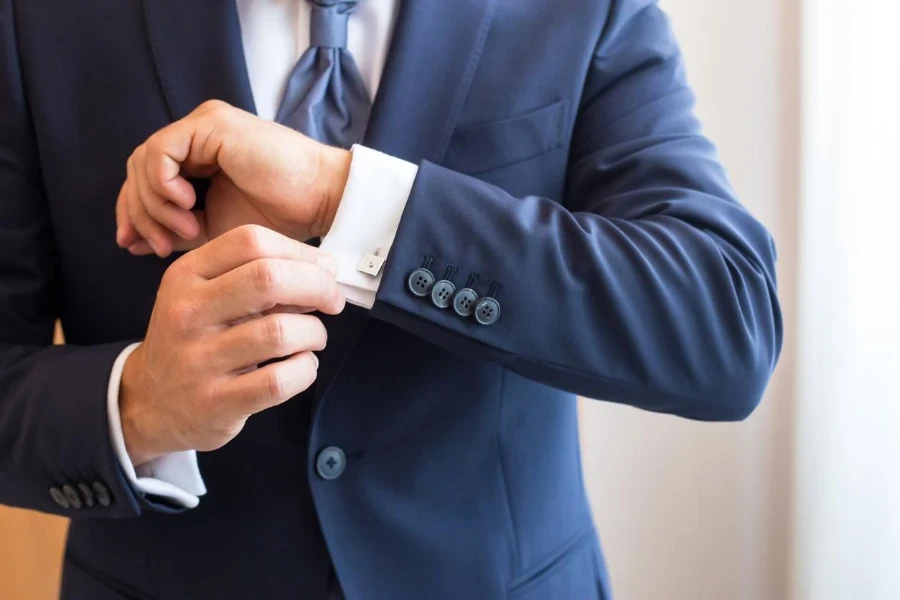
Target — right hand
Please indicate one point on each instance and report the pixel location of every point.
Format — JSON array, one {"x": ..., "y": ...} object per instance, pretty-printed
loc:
[{"x": 221, "y": 310}]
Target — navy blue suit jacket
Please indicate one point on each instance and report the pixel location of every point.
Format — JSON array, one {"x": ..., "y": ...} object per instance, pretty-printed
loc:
[{"x": 560, "y": 158}]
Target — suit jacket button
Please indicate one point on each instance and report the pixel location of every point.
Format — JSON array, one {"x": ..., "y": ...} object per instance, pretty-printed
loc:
[
  {"x": 59, "y": 497},
  {"x": 464, "y": 302},
  {"x": 420, "y": 282},
  {"x": 101, "y": 493},
  {"x": 330, "y": 463},
  {"x": 86, "y": 494},
  {"x": 487, "y": 311},
  {"x": 442, "y": 293},
  {"x": 72, "y": 496}
]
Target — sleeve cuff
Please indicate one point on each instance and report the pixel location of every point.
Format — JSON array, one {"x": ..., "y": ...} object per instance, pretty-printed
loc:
[
  {"x": 175, "y": 476},
  {"x": 366, "y": 222}
]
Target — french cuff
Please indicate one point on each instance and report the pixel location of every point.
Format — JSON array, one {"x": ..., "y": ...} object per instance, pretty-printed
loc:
[
  {"x": 366, "y": 221},
  {"x": 175, "y": 476}
]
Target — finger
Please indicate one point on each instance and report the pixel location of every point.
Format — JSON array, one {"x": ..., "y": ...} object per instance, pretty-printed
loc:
[
  {"x": 270, "y": 385},
  {"x": 164, "y": 174},
  {"x": 265, "y": 338},
  {"x": 186, "y": 245},
  {"x": 191, "y": 147},
  {"x": 126, "y": 235},
  {"x": 141, "y": 248},
  {"x": 263, "y": 284},
  {"x": 247, "y": 243},
  {"x": 159, "y": 238},
  {"x": 169, "y": 215}
]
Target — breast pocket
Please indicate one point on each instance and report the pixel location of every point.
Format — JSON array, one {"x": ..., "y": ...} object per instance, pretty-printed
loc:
[{"x": 490, "y": 146}]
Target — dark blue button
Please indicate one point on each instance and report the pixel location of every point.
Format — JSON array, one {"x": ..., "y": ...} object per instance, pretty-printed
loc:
[
  {"x": 331, "y": 463},
  {"x": 442, "y": 293},
  {"x": 464, "y": 302},
  {"x": 420, "y": 282},
  {"x": 487, "y": 311},
  {"x": 87, "y": 494},
  {"x": 72, "y": 496},
  {"x": 59, "y": 497},
  {"x": 101, "y": 493}
]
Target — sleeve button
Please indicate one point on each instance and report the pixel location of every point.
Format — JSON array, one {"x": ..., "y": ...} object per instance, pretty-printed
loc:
[
  {"x": 442, "y": 293},
  {"x": 72, "y": 496},
  {"x": 464, "y": 302},
  {"x": 101, "y": 493},
  {"x": 59, "y": 497},
  {"x": 487, "y": 311},
  {"x": 86, "y": 494},
  {"x": 420, "y": 282}
]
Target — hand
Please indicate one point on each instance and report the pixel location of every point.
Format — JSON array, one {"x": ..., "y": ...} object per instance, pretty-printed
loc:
[
  {"x": 194, "y": 380},
  {"x": 262, "y": 173}
]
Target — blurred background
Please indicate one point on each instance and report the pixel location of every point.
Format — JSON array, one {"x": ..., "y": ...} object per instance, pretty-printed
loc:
[{"x": 802, "y": 501}]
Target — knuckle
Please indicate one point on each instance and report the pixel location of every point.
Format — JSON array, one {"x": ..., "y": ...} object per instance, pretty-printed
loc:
[
  {"x": 324, "y": 283},
  {"x": 275, "y": 333},
  {"x": 180, "y": 313},
  {"x": 212, "y": 106},
  {"x": 253, "y": 237},
  {"x": 178, "y": 269},
  {"x": 276, "y": 383},
  {"x": 267, "y": 275}
]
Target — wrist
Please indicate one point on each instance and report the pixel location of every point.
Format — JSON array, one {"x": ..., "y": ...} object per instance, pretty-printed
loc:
[
  {"x": 334, "y": 170},
  {"x": 136, "y": 419}
]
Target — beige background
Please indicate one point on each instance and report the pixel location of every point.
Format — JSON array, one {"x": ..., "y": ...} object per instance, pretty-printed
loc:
[{"x": 687, "y": 511}]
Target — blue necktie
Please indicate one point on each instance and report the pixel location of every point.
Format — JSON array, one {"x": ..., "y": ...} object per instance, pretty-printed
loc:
[{"x": 325, "y": 97}]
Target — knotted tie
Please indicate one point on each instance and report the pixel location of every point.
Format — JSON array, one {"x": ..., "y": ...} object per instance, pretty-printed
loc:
[{"x": 325, "y": 97}]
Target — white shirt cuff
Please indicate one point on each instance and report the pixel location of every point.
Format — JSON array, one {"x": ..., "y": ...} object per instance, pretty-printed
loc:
[
  {"x": 366, "y": 221},
  {"x": 174, "y": 476}
]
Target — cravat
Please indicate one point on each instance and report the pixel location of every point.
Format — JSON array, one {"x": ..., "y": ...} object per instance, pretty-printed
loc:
[{"x": 325, "y": 97}]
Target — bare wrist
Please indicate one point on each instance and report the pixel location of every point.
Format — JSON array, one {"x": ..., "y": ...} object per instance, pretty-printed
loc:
[
  {"x": 135, "y": 418},
  {"x": 334, "y": 170}
]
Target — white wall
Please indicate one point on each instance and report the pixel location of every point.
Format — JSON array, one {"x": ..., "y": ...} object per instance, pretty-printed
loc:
[
  {"x": 847, "y": 507},
  {"x": 697, "y": 511}
]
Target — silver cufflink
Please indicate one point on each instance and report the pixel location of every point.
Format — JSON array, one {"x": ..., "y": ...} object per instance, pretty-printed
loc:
[{"x": 371, "y": 263}]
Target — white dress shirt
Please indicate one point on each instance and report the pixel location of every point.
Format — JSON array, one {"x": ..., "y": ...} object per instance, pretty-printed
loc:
[{"x": 275, "y": 33}]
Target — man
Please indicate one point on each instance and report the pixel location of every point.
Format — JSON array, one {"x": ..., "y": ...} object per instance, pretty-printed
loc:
[{"x": 529, "y": 212}]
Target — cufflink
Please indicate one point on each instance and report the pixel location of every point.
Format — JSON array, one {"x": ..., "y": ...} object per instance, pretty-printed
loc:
[{"x": 370, "y": 265}]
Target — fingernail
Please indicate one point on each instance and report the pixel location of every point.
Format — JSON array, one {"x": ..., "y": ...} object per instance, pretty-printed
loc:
[
  {"x": 328, "y": 262},
  {"x": 153, "y": 245},
  {"x": 316, "y": 359}
]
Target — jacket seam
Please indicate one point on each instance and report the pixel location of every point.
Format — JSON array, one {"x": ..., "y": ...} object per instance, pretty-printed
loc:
[{"x": 517, "y": 564}]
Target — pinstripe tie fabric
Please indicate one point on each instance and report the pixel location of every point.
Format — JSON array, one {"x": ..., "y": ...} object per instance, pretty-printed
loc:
[{"x": 325, "y": 97}]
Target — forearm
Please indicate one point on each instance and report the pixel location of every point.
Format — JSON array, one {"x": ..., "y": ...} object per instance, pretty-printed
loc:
[{"x": 670, "y": 307}]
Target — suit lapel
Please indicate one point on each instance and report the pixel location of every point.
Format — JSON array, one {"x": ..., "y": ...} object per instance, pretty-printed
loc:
[
  {"x": 430, "y": 65},
  {"x": 198, "y": 52}
]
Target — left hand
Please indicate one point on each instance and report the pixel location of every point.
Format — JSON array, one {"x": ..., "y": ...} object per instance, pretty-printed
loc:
[{"x": 262, "y": 174}]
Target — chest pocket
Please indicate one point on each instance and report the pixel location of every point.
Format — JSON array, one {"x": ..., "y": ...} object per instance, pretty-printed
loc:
[{"x": 475, "y": 150}]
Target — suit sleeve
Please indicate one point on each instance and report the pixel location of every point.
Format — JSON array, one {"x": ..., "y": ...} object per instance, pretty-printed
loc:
[
  {"x": 54, "y": 431},
  {"x": 649, "y": 284}
]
